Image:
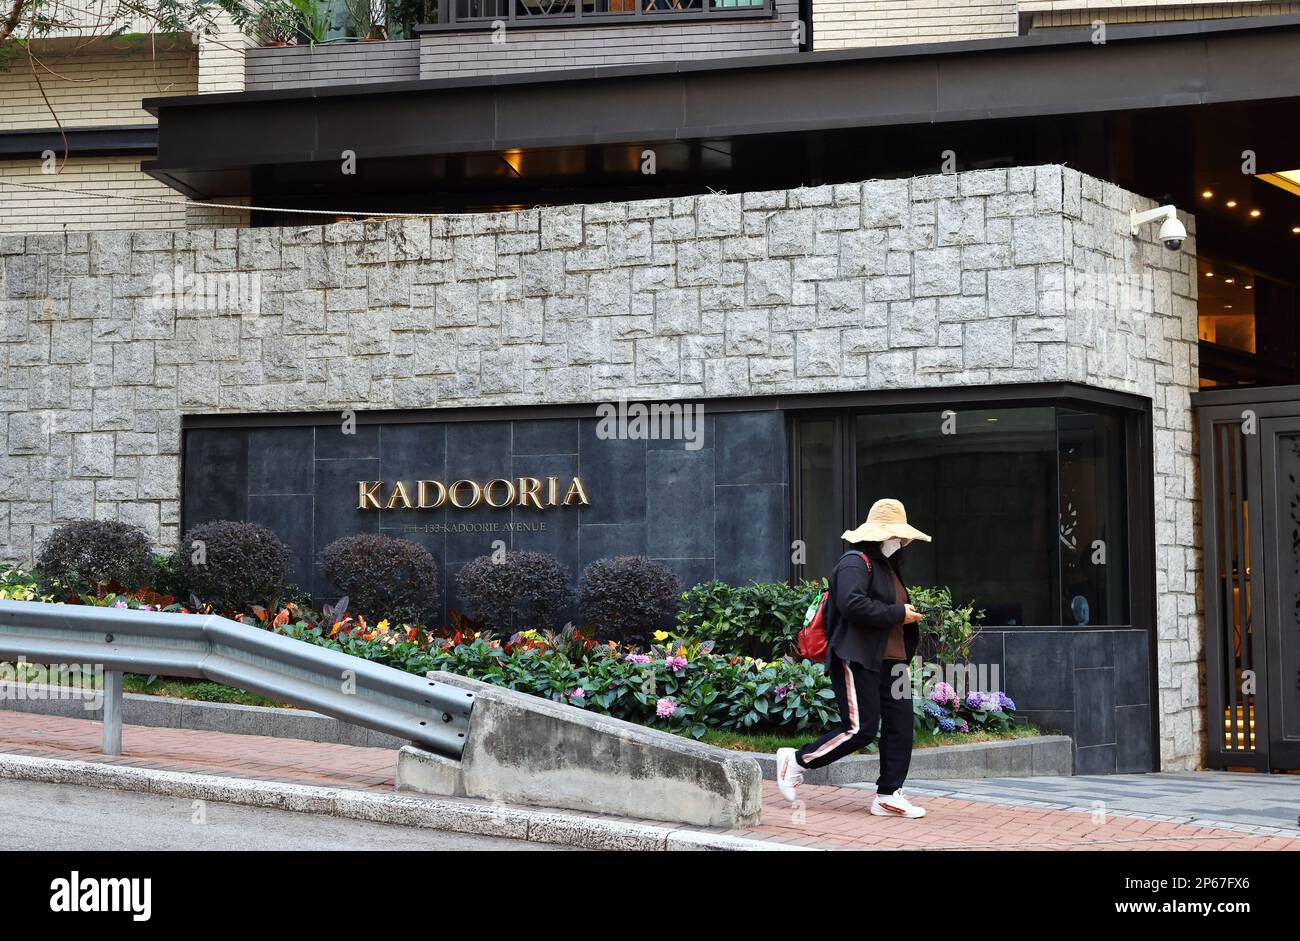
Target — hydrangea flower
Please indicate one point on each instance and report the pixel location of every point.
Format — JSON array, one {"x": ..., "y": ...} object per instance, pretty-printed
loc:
[
  {"x": 947, "y": 725},
  {"x": 665, "y": 708},
  {"x": 965, "y": 726},
  {"x": 1005, "y": 701},
  {"x": 933, "y": 709},
  {"x": 943, "y": 694}
]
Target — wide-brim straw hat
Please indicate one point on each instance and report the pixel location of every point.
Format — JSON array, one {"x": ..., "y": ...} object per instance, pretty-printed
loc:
[{"x": 886, "y": 520}]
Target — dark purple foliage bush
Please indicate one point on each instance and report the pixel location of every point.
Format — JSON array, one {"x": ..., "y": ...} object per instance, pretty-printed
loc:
[
  {"x": 233, "y": 565},
  {"x": 528, "y": 589},
  {"x": 84, "y": 556},
  {"x": 384, "y": 577},
  {"x": 628, "y": 597}
]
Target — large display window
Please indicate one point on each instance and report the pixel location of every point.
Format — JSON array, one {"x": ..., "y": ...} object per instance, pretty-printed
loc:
[{"x": 1028, "y": 503}]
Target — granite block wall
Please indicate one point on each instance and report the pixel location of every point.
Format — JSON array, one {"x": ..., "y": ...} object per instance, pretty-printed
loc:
[{"x": 986, "y": 277}]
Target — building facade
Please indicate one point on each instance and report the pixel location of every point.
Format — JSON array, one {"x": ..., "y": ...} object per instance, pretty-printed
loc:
[{"x": 876, "y": 249}]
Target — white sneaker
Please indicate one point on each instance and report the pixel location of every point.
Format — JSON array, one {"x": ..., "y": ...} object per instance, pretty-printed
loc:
[
  {"x": 895, "y": 805},
  {"x": 788, "y": 773}
]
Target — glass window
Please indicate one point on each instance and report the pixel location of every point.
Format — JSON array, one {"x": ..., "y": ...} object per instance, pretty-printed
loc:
[
  {"x": 1093, "y": 543},
  {"x": 983, "y": 484},
  {"x": 1027, "y": 506},
  {"x": 819, "y": 515}
]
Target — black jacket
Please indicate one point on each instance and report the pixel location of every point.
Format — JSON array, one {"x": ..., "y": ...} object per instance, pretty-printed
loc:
[{"x": 863, "y": 611}]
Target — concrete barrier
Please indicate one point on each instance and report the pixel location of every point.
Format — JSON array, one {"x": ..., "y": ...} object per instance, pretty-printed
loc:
[{"x": 522, "y": 749}]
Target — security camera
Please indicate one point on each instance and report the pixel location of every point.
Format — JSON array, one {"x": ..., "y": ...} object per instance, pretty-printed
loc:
[{"x": 1172, "y": 232}]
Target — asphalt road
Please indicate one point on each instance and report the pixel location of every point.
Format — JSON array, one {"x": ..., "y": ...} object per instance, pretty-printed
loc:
[{"x": 65, "y": 817}]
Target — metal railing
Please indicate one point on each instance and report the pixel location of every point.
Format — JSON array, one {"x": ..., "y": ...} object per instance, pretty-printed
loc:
[
  {"x": 204, "y": 646},
  {"x": 464, "y": 14}
]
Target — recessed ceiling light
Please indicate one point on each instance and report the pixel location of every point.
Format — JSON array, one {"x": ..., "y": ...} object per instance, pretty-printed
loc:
[
  {"x": 1229, "y": 280},
  {"x": 1227, "y": 307},
  {"x": 1295, "y": 230},
  {"x": 1209, "y": 274},
  {"x": 1249, "y": 286},
  {"x": 1254, "y": 213},
  {"x": 1208, "y": 193},
  {"x": 1232, "y": 204}
]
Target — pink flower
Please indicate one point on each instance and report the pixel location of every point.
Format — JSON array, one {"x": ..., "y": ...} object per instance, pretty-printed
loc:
[
  {"x": 637, "y": 658},
  {"x": 120, "y": 604},
  {"x": 676, "y": 663},
  {"x": 578, "y": 693},
  {"x": 665, "y": 708}
]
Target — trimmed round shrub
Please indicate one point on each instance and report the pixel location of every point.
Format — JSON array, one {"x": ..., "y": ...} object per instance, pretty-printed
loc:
[
  {"x": 384, "y": 577},
  {"x": 528, "y": 588},
  {"x": 233, "y": 565},
  {"x": 87, "y": 556},
  {"x": 628, "y": 597}
]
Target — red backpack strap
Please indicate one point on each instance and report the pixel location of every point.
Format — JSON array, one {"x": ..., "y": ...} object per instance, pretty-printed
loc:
[{"x": 866, "y": 560}]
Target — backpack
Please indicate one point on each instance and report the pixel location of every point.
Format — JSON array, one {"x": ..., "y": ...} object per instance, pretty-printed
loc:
[{"x": 812, "y": 636}]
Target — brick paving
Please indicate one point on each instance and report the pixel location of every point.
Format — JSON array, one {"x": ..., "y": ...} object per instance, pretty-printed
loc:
[{"x": 826, "y": 817}]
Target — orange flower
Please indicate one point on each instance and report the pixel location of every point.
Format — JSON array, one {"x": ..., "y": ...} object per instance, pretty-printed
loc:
[
  {"x": 281, "y": 619},
  {"x": 338, "y": 626}
]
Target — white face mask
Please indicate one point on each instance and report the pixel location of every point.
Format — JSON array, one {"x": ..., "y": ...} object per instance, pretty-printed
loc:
[{"x": 890, "y": 546}]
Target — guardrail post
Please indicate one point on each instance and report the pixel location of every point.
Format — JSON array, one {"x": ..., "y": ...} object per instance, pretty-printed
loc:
[{"x": 112, "y": 712}]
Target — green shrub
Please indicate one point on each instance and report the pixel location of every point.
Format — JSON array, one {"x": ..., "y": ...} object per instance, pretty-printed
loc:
[
  {"x": 93, "y": 556},
  {"x": 628, "y": 597},
  {"x": 947, "y": 631},
  {"x": 384, "y": 577},
  {"x": 527, "y": 588},
  {"x": 233, "y": 565},
  {"x": 761, "y": 619}
]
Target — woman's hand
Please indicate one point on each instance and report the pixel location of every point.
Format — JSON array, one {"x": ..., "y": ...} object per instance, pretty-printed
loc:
[{"x": 911, "y": 615}]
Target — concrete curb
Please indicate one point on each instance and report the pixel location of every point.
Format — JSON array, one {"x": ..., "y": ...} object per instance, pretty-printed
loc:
[
  {"x": 514, "y": 823},
  {"x": 1037, "y": 756}
]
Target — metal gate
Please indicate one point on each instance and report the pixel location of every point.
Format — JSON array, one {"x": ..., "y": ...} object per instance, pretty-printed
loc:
[{"x": 1250, "y": 516}]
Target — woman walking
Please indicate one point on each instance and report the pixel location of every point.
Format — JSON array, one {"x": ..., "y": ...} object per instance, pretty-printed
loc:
[{"x": 871, "y": 635}]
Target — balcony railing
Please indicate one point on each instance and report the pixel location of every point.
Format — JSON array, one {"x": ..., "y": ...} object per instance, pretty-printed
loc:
[{"x": 482, "y": 14}]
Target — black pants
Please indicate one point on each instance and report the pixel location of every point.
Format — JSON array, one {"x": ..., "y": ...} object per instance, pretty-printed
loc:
[{"x": 866, "y": 700}]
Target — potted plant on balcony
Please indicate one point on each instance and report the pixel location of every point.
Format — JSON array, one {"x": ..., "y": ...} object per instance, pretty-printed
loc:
[
  {"x": 278, "y": 23},
  {"x": 368, "y": 19},
  {"x": 315, "y": 20}
]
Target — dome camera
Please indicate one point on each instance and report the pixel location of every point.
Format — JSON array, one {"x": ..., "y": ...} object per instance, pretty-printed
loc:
[{"x": 1172, "y": 232}]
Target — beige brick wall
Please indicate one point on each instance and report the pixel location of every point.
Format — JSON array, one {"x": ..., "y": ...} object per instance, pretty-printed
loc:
[
  {"x": 845, "y": 24},
  {"x": 94, "y": 88},
  {"x": 1047, "y": 13},
  {"x": 221, "y": 58},
  {"x": 1055, "y": 13},
  {"x": 31, "y": 210}
]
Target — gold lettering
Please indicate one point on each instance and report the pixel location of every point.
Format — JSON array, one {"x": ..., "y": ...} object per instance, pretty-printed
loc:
[
  {"x": 399, "y": 497},
  {"x": 553, "y": 491},
  {"x": 440, "y": 489},
  {"x": 528, "y": 489},
  {"x": 474, "y": 489},
  {"x": 576, "y": 490},
  {"x": 367, "y": 494},
  {"x": 510, "y": 493}
]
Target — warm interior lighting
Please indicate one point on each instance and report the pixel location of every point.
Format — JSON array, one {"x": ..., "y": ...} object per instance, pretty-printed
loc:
[
  {"x": 1254, "y": 213},
  {"x": 1232, "y": 204},
  {"x": 1295, "y": 230},
  {"x": 1288, "y": 180},
  {"x": 1229, "y": 280},
  {"x": 514, "y": 159},
  {"x": 1208, "y": 194}
]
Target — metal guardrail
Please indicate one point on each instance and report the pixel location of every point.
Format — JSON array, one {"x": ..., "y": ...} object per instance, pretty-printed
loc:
[{"x": 204, "y": 646}]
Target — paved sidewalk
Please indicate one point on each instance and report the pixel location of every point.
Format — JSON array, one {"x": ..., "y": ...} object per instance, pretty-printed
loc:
[
  {"x": 1268, "y": 801},
  {"x": 826, "y": 817}
]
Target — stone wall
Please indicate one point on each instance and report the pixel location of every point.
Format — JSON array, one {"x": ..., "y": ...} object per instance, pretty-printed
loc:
[{"x": 985, "y": 277}]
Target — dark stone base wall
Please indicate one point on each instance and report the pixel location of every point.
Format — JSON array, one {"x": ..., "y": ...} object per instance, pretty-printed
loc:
[
  {"x": 721, "y": 511},
  {"x": 1092, "y": 684}
]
